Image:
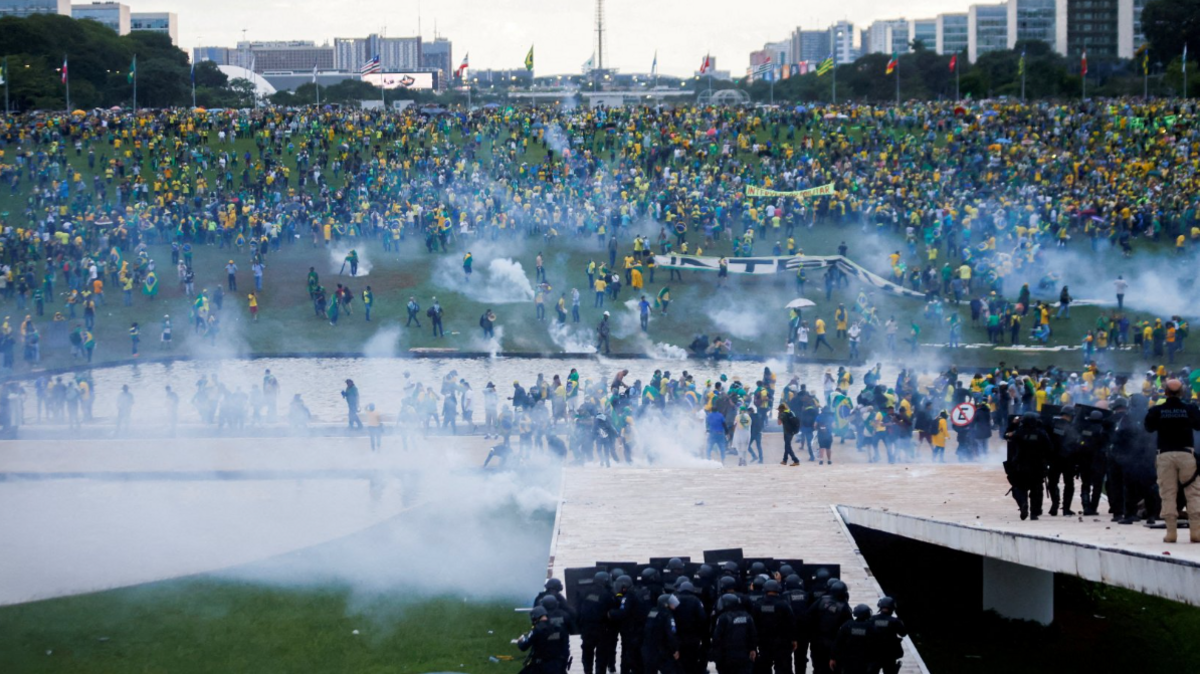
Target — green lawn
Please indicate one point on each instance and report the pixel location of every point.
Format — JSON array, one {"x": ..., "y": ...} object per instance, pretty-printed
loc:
[{"x": 210, "y": 625}]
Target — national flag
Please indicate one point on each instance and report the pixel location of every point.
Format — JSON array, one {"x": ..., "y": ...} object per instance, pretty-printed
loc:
[
  {"x": 1083, "y": 63},
  {"x": 1145, "y": 49},
  {"x": 842, "y": 410},
  {"x": 1185, "y": 58},
  {"x": 64, "y": 70},
  {"x": 705, "y": 64},
  {"x": 529, "y": 59},
  {"x": 372, "y": 66},
  {"x": 826, "y": 65},
  {"x": 1021, "y": 64},
  {"x": 891, "y": 66},
  {"x": 762, "y": 68},
  {"x": 654, "y": 65},
  {"x": 590, "y": 64},
  {"x": 462, "y": 67},
  {"x": 953, "y": 62},
  {"x": 132, "y": 71}
]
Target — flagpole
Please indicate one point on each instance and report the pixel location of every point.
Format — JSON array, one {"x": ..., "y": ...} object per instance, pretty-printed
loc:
[
  {"x": 835, "y": 51},
  {"x": 957, "y": 92},
  {"x": 7, "y": 75},
  {"x": 135, "y": 84},
  {"x": 193, "y": 85},
  {"x": 1184, "y": 71},
  {"x": 897, "y": 81}
]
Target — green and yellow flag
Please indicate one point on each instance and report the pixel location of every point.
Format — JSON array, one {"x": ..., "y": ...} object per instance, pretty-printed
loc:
[
  {"x": 1021, "y": 64},
  {"x": 826, "y": 65},
  {"x": 529, "y": 59},
  {"x": 132, "y": 70}
]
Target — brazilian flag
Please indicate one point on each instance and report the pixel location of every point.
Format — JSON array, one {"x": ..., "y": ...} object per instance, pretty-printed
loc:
[
  {"x": 664, "y": 295},
  {"x": 842, "y": 409},
  {"x": 150, "y": 285},
  {"x": 529, "y": 59}
]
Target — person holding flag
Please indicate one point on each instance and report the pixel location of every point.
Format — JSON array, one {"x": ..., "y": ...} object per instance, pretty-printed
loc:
[
  {"x": 150, "y": 286},
  {"x": 654, "y": 68}
]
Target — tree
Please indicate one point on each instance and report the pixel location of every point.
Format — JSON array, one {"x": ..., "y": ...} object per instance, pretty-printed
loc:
[{"x": 1170, "y": 24}]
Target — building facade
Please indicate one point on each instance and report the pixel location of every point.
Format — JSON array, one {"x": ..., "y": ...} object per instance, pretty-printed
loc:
[
  {"x": 841, "y": 38},
  {"x": 396, "y": 54},
  {"x": 886, "y": 37},
  {"x": 157, "y": 22},
  {"x": 952, "y": 32},
  {"x": 987, "y": 30},
  {"x": 284, "y": 56},
  {"x": 924, "y": 30},
  {"x": 1033, "y": 20},
  {"x": 112, "y": 15},
  {"x": 439, "y": 55},
  {"x": 31, "y": 7}
]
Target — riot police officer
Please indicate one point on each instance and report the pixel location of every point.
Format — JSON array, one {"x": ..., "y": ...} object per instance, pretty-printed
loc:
[
  {"x": 660, "y": 641},
  {"x": 776, "y": 626},
  {"x": 595, "y": 602},
  {"x": 547, "y": 645},
  {"x": 826, "y": 618},
  {"x": 628, "y": 620},
  {"x": 800, "y": 603},
  {"x": 1062, "y": 463},
  {"x": 851, "y": 652},
  {"x": 1135, "y": 453},
  {"x": 692, "y": 623},
  {"x": 1091, "y": 460},
  {"x": 888, "y": 634},
  {"x": 734, "y": 638},
  {"x": 1029, "y": 447},
  {"x": 559, "y": 617}
]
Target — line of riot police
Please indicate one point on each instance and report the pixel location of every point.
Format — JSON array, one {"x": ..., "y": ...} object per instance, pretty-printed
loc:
[
  {"x": 1094, "y": 445},
  {"x": 749, "y": 618}
]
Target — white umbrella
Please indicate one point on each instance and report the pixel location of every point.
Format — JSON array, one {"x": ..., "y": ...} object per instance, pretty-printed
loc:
[{"x": 800, "y": 303}]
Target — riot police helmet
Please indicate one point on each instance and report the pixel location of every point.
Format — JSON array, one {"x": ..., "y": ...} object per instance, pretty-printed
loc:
[
  {"x": 537, "y": 613},
  {"x": 554, "y": 585},
  {"x": 675, "y": 564},
  {"x": 862, "y": 612},
  {"x": 772, "y": 586},
  {"x": 793, "y": 582},
  {"x": 887, "y": 603},
  {"x": 549, "y": 602},
  {"x": 728, "y": 601}
]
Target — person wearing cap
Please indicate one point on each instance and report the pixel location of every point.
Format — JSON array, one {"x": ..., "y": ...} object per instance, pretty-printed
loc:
[
  {"x": 231, "y": 272},
  {"x": 1174, "y": 422}
]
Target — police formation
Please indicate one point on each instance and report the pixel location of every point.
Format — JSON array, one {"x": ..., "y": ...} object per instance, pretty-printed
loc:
[
  {"x": 1140, "y": 455},
  {"x": 748, "y": 617}
]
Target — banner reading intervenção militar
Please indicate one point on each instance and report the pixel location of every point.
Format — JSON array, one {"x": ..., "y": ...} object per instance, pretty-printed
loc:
[{"x": 822, "y": 191}]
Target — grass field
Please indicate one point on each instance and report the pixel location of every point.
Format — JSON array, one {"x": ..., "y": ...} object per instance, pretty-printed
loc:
[
  {"x": 749, "y": 309},
  {"x": 210, "y": 625}
]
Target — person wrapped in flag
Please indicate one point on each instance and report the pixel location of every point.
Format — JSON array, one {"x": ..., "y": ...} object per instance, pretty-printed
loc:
[
  {"x": 150, "y": 286},
  {"x": 663, "y": 300}
]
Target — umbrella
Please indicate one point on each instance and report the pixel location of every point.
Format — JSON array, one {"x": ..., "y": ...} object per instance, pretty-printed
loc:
[
  {"x": 801, "y": 109},
  {"x": 78, "y": 112},
  {"x": 800, "y": 303}
]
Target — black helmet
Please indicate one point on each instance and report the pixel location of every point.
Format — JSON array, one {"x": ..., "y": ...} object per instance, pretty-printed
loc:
[
  {"x": 705, "y": 571},
  {"x": 601, "y": 578},
  {"x": 1095, "y": 415},
  {"x": 772, "y": 586},
  {"x": 887, "y": 603},
  {"x": 617, "y": 572},
  {"x": 861, "y": 612},
  {"x": 554, "y": 585},
  {"x": 549, "y": 602},
  {"x": 786, "y": 570},
  {"x": 1120, "y": 404},
  {"x": 728, "y": 601},
  {"x": 793, "y": 582},
  {"x": 664, "y": 600},
  {"x": 729, "y": 567},
  {"x": 1029, "y": 417},
  {"x": 675, "y": 564},
  {"x": 679, "y": 581},
  {"x": 685, "y": 587},
  {"x": 650, "y": 573},
  {"x": 758, "y": 567},
  {"x": 726, "y": 583},
  {"x": 623, "y": 583},
  {"x": 823, "y": 574},
  {"x": 537, "y": 614},
  {"x": 759, "y": 581},
  {"x": 839, "y": 590}
]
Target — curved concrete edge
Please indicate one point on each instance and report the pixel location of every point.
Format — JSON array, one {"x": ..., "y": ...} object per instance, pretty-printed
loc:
[
  {"x": 910, "y": 649},
  {"x": 562, "y": 480},
  {"x": 1159, "y": 575}
]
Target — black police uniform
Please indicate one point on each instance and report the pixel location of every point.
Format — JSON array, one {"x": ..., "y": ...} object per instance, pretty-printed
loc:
[
  {"x": 852, "y": 648},
  {"x": 660, "y": 642},
  {"x": 1062, "y": 465},
  {"x": 734, "y": 637},
  {"x": 776, "y": 624},
  {"x": 548, "y": 649},
  {"x": 594, "y": 604},
  {"x": 1029, "y": 447},
  {"x": 1091, "y": 459},
  {"x": 628, "y": 618},
  {"x": 887, "y": 635},
  {"x": 800, "y": 602},
  {"x": 692, "y": 623},
  {"x": 827, "y": 617}
]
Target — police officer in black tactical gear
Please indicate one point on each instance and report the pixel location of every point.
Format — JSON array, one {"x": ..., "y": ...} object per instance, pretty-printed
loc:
[
  {"x": 1091, "y": 460},
  {"x": 660, "y": 643},
  {"x": 1029, "y": 448},
  {"x": 826, "y": 618},
  {"x": 651, "y": 584},
  {"x": 595, "y": 601},
  {"x": 776, "y": 629},
  {"x": 800, "y": 603},
  {"x": 675, "y": 570},
  {"x": 559, "y": 617},
  {"x": 548, "y": 645},
  {"x": 888, "y": 634},
  {"x": 628, "y": 619},
  {"x": 1133, "y": 454},
  {"x": 1062, "y": 462},
  {"x": 734, "y": 638},
  {"x": 554, "y": 588},
  {"x": 692, "y": 623},
  {"x": 851, "y": 652}
]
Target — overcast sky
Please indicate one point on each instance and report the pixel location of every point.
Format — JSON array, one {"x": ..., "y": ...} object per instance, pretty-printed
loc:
[{"x": 497, "y": 33}]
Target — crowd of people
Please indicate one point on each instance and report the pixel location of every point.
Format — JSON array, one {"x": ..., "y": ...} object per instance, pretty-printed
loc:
[
  {"x": 975, "y": 191},
  {"x": 744, "y": 617}
]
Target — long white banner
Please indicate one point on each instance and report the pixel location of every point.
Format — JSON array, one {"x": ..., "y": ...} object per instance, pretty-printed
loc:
[{"x": 778, "y": 265}]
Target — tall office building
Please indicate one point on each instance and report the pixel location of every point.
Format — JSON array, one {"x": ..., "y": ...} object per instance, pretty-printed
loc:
[
  {"x": 886, "y": 37},
  {"x": 841, "y": 38},
  {"x": 396, "y": 54},
  {"x": 156, "y": 22},
  {"x": 1033, "y": 20},
  {"x": 987, "y": 29},
  {"x": 222, "y": 56},
  {"x": 924, "y": 30},
  {"x": 439, "y": 55},
  {"x": 113, "y": 15},
  {"x": 810, "y": 46},
  {"x": 284, "y": 56},
  {"x": 952, "y": 33},
  {"x": 1108, "y": 28},
  {"x": 30, "y": 7}
]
